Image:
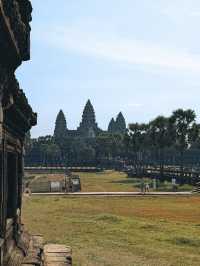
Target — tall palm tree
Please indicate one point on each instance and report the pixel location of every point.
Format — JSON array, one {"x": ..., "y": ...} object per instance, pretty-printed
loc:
[
  {"x": 138, "y": 135},
  {"x": 182, "y": 124},
  {"x": 159, "y": 138}
]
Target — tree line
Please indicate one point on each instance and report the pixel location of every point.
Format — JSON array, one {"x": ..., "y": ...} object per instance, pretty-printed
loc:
[{"x": 173, "y": 140}]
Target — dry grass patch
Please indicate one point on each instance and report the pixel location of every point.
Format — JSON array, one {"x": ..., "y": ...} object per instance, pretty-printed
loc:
[{"x": 120, "y": 231}]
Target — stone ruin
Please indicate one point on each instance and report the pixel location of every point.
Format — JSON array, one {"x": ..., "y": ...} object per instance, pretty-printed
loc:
[{"x": 17, "y": 247}]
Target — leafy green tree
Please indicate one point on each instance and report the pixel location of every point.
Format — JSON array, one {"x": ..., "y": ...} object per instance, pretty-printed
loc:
[
  {"x": 52, "y": 153},
  {"x": 182, "y": 124},
  {"x": 86, "y": 155},
  {"x": 127, "y": 145},
  {"x": 80, "y": 152},
  {"x": 194, "y": 136},
  {"x": 138, "y": 143},
  {"x": 104, "y": 146},
  {"x": 117, "y": 145},
  {"x": 160, "y": 138}
]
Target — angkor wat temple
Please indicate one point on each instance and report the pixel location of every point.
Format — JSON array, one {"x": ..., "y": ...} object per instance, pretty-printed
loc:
[{"x": 88, "y": 127}]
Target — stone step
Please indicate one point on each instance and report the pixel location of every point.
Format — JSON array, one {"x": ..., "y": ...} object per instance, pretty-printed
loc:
[{"x": 57, "y": 255}]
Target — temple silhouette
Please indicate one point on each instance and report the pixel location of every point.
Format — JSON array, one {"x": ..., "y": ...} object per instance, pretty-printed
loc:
[{"x": 88, "y": 127}]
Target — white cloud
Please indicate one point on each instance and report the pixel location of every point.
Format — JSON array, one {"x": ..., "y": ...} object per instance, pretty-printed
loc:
[
  {"x": 195, "y": 13},
  {"x": 181, "y": 10},
  {"x": 131, "y": 52}
]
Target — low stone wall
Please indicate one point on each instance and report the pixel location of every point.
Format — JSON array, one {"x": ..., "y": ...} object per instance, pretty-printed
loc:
[
  {"x": 60, "y": 170},
  {"x": 46, "y": 186},
  {"x": 44, "y": 170}
]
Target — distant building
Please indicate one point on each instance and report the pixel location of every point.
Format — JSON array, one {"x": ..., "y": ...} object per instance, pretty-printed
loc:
[
  {"x": 118, "y": 126},
  {"x": 61, "y": 126},
  {"x": 88, "y": 127}
]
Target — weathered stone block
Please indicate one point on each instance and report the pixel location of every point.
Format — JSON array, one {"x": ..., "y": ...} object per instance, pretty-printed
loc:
[{"x": 57, "y": 255}]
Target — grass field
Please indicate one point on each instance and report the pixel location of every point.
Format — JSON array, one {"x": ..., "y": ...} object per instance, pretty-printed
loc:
[
  {"x": 108, "y": 181},
  {"x": 120, "y": 231}
]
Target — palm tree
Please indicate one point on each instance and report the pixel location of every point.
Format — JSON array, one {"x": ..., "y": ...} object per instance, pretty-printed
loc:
[
  {"x": 159, "y": 138},
  {"x": 182, "y": 127},
  {"x": 138, "y": 143}
]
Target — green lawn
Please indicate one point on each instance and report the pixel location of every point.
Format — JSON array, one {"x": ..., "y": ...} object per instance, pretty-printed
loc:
[
  {"x": 120, "y": 231},
  {"x": 118, "y": 181},
  {"x": 106, "y": 181}
]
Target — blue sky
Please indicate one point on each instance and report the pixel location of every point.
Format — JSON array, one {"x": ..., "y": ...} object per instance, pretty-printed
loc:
[{"x": 141, "y": 57}]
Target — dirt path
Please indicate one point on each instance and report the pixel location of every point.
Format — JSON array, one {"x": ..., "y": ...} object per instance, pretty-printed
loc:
[{"x": 114, "y": 194}]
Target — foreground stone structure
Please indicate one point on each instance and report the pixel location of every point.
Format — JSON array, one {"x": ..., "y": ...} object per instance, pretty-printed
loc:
[
  {"x": 16, "y": 118},
  {"x": 17, "y": 247},
  {"x": 57, "y": 255}
]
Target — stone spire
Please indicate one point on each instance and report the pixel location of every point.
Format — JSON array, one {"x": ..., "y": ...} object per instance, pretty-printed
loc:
[
  {"x": 88, "y": 125},
  {"x": 60, "y": 126},
  {"x": 112, "y": 126},
  {"x": 120, "y": 123},
  {"x": 88, "y": 117}
]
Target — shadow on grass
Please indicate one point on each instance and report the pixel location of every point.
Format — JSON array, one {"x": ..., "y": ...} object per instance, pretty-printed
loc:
[
  {"x": 125, "y": 182},
  {"x": 185, "y": 241},
  {"x": 108, "y": 218},
  {"x": 149, "y": 227}
]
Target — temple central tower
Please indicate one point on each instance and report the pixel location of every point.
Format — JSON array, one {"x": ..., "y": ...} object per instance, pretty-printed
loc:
[
  {"x": 88, "y": 126},
  {"x": 88, "y": 117}
]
